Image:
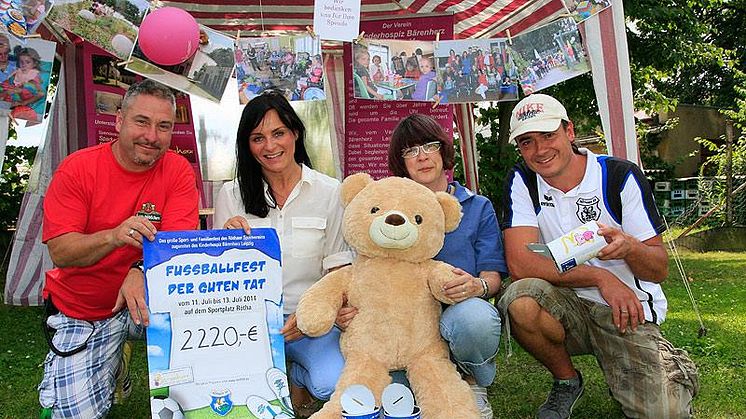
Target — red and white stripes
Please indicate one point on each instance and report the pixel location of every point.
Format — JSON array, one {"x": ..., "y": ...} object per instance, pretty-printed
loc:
[{"x": 606, "y": 42}]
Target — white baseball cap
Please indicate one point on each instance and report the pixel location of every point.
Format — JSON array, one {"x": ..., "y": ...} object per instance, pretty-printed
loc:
[{"x": 536, "y": 113}]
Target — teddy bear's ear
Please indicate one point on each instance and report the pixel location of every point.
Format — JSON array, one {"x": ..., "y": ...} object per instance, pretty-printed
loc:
[
  {"x": 352, "y": 185},
  {"x": 451, "y": 209}
]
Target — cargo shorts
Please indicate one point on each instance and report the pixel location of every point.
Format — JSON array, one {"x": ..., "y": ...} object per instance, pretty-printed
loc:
[{"x": 646, "y": 374}]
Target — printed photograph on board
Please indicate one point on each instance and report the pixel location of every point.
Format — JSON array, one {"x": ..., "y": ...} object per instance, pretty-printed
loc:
[
  {"x": 393, "y": 70},
  {"x": 109, "y": 25},
  {"x": 474, "y": 70},
  {"x": 205, "y": 74},
  {"x": 290, "y": 64},
  {"x": 583, "y": 9},
  {"x": 25, "y": 69},
  {"x": 106, "y": 72},
  {"x": 549, "y": 55},
  {"x": 22, "y": 17}
]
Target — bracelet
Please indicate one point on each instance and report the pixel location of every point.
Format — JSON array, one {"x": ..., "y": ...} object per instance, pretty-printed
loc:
[
  {"x": 137, "y": 265},
  {"x": 485, "y": 288}
]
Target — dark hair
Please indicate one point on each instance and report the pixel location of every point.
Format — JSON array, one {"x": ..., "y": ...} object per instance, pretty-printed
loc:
[
  {"x": 574, "y": 146},
  {"x": 414, "y": 130},
  {"x": 412, "y": 62},
  {"x": 248, "y": 171},
  {"x": 151, "y": 88}
]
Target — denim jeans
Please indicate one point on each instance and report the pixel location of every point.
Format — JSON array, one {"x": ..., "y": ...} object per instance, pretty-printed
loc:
[
  {"x": 472, "y": 330},
  {"x": 315, "y": 363}
]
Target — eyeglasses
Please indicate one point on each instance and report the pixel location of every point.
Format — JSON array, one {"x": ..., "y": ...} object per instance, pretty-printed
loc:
[{"x": 428, "y": 148}]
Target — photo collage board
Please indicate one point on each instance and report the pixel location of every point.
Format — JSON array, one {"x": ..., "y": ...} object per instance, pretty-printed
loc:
[{"x": 469, "y": 70}]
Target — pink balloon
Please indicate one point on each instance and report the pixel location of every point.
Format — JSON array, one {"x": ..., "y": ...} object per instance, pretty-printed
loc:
[{"x": 168, "y": 36}]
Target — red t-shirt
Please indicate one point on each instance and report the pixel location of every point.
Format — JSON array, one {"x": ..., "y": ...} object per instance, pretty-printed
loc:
[{"x": 91, "y": 192}]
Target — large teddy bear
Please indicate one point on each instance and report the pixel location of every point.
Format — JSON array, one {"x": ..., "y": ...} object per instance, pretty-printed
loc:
[{"x": 396, "y": 226}]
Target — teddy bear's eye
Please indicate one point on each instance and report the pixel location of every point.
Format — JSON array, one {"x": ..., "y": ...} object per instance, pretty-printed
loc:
[
  {"x": 374, "y": 210},
  {"x": 418, "y": 219}
]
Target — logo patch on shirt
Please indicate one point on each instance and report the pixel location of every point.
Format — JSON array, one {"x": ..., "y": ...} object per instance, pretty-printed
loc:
[
  {"x": 588, "y": 209},
  {"x": 148, "y": 211},
  {"x": 546, "y": 202}
]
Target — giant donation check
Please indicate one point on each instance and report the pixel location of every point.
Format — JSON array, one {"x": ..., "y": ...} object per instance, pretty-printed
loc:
[{"x": 214, "y": 341}]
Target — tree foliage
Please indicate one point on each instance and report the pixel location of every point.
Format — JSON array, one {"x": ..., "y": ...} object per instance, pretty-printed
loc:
[
  {"x": 15, "y": 173},
  {"x": 685, "y": 51},
  {"x": 681, "y": 51},
  {"x": 495, "y": 157}
]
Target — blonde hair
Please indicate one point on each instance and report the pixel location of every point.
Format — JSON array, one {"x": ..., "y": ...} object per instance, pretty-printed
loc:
[{"x": 31, "y": 53}]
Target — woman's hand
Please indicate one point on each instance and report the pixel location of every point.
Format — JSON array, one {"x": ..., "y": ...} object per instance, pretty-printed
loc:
[
  {"x": 463, "y": 287},
  {"x": 238, "y": 222},
  {"x": 345, "y": 315},
  {"x": 290, "y": 330}
]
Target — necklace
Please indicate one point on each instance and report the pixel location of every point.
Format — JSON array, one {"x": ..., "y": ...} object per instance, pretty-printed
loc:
[{"x": 281, "y": 198}]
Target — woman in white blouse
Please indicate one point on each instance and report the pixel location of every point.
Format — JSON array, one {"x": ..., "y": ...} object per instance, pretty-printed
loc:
[{"x": 276, "y": 187}]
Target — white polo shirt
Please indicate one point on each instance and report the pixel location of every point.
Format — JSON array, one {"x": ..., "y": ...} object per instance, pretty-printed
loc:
[
  {"x": 558, "y": 212},
  {"x": 309, "y": 227}
]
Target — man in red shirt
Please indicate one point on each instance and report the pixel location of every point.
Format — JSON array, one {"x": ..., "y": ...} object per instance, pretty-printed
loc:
[{"x": 102, "y": 203}]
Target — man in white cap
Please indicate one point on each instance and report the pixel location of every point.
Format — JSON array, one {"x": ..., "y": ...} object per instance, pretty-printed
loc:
[{"x": 611, "y": 306}]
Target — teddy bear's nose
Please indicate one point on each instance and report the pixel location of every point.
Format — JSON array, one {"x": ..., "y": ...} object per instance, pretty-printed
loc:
[{"x": 395, "y": 220}]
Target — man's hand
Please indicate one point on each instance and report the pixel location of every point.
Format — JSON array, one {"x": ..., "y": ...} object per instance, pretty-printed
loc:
[
  {"x": 238, "y": 222},
  {"x": 619, "y": 243},
  {"x": 132, "y": 293},
  {"x": 132, "y": 231},
  {"x": 345, "y": 315},
  {"x": 78, "y": 249},
  {"x": 290, "y": 330},
  {"x": 626, "y": 309}
]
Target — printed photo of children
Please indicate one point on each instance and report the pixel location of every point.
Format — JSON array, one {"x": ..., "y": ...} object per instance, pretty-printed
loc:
[
  {"x": 291, "y": 64},
  {"x": 24, "y": 76},
  {"x": 394, "y": 70},
  {"x": 549, "y": 55},
  {"x": 475, "y": 70}
]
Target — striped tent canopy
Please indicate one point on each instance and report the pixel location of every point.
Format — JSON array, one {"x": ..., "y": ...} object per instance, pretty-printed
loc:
[
  {"x": 474, "y": 18},
  {"x": 604, "y": 37}
]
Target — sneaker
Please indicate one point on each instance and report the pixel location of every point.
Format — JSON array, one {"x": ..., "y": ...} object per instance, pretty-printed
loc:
[
  {"x": 123, "y": 381},
  {"x": 562, "y": 398},
  {"x": 483, "y": 403}
]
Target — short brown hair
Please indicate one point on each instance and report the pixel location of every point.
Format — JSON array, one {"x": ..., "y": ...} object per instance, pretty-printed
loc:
[{"x": 415, "y": 130}]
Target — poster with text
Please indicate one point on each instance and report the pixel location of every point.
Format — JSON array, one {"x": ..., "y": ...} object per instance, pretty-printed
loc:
[
  {"x": 370, "y": 123},
  {"x": 111, "y": 25},
  {"x": 337, "y": 20},
  {"x": 214, "y": 343},
  {"x": 473, "y": 70},
  {"x": 549, "y": 55},
  {"x": 205, "y": 74},
  {"x": 290, "y": 64},
  {"x": 24, "y": 80}
]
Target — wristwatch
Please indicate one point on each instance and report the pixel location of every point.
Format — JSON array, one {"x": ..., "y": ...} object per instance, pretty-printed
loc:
[
  {"x": 137, "y": 265},
  {"x": 485, "y": 288}
]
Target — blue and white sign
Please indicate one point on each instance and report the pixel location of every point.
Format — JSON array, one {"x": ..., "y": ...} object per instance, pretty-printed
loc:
[{"x": 214, "y": 341}]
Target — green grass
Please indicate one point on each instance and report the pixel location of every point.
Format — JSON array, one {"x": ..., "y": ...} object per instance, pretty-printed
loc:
[{"x": 717, "y": 280}]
